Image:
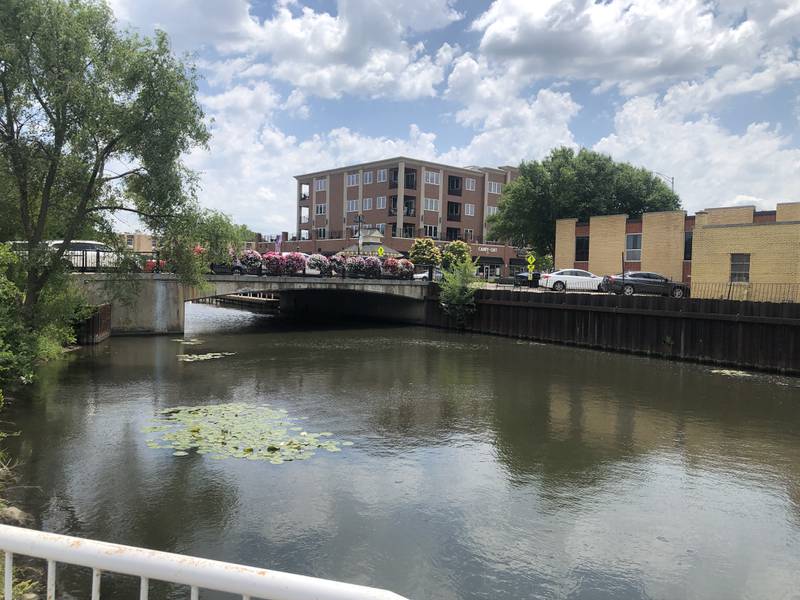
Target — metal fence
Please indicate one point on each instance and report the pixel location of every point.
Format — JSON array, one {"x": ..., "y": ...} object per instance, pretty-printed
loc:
[
  {"x": 752, "y": 292},
  {"x": 194, "y": 573},
  {"x": 91, "y": 261}
]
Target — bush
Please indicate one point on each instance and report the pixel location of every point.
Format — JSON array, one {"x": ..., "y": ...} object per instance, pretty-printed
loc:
[
  {"x": 250, "y": 259},
  {"x": 424, "y": 252},
  {"x": 338, "y": 263},
  {"x": 457, "y": 293},
  {"x": 372, "y": 267},
  {"x": 294, "y": 263},
  {"x": 455, "y": 252},
  {"x": 274, "y": 263},
  {"x": 405, "y": 268},
  {"x": 391, "y": 266},
  {"x": 355, "y": 266},
  {"x": 320, "y": 263}
]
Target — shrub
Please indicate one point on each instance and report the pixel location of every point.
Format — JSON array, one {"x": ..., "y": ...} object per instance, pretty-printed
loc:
[
  {"x": 274, "y": 263},
  {"x": 457, "y": 294},
  {"x": 250, "y": 259},
  {"x": 424, "y": 252},
  {"x": 405, "y": 268},
  {"x": 355, "y": 265},
  {"x": 391, "y": 266},
  {"x": 320, "y": 263},
  {"x": 294, "y": 263},
  {"x": 338, "y": 263},
  {"x": 372, "y": 267},
  {"x": 455, "y": 252}
]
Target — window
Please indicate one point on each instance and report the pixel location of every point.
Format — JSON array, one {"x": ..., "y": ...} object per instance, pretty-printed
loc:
[
  {"x": 319, "y": 185},
  {"x": 367, "y": 177},
  {"x": 129, "y": 241},
  {"x": 321, "y": 209},
  {"x": 381, "y": 175},
  {"x": 304, "y": 234},
  {"x": 322, "y": 233},
  {"x": 495, "y": 187},
  {"x": 411, "y": 179},
  {"x": 432, "y": 177},
  {"x": 582, "y": 248},
  {"x": 469, "y": 210},
  {"x": 409, "y": 231},
  {"x": 432, "y": 204},
  {"x": 380, "y": 201},
  {"x": 740, "y": 268},
  {"x": 468, "y": 235},
  {"x": 352, "y": 205},
  {"x": 367, "y": 203},
  {"x": 633, "y": 247},
  {"x": 454, "y": 211},
  {"x": 352, "y": 179},
  {"x": 687, "y": 245},
  {"x": 469, "y": 184},
  {"x": 491, "y": 210},
  {"x": 431, "y": 231},
  {"x": 454, "y": 185},
  {"x": 381, "y": 227}
]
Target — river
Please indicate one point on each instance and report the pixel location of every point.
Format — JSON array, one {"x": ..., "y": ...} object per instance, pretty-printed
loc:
[{"x": 481, "y": 467}]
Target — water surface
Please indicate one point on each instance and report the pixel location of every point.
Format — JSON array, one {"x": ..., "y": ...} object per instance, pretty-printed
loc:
[{"x": 482, "y": 467}]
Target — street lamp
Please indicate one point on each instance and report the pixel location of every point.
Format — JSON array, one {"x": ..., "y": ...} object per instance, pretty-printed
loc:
[
  {"x": 667, "y": 178},
  {"x": 359, "y": 219}
]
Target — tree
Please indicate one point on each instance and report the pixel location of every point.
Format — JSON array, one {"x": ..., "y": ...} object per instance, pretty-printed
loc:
[
  {"x": 457, "y": 289},
  {"x": 424, "y": 252},
  {"x": 455, "y": 252},
  {"x": 578, "y": 185},
  {"x": 92, "y": 121},
  {"x": 220, "y": 236}
]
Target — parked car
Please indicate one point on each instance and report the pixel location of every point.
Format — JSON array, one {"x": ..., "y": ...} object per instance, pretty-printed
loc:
[
  {"x": 423, "y": 276},
  {"x": 642, "y": 282},
  {"x": 572, "y": 279}
]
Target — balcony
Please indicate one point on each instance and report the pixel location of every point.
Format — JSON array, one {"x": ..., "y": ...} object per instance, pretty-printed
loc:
[
  {"x": 408, "y": 212},
  {"x": 304, "y": 198},
  {"x": 454, "y": 217},
  {"x": 304, "y": 219}
]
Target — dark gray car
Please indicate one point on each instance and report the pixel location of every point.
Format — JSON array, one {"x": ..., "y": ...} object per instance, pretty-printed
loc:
[{"x": 643, "y": 282}]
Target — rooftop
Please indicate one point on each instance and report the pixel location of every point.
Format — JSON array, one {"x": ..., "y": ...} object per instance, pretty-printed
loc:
[{"x": 377, "y": 163}]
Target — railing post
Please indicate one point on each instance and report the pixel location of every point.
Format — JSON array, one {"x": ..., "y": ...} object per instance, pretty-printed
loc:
[
  {"x": 51, "y": 580},
  {"x": 8, "y": 584}
]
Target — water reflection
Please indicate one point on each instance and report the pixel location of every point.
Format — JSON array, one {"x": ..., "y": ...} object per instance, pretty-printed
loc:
[{"x": 482, "y": 467}]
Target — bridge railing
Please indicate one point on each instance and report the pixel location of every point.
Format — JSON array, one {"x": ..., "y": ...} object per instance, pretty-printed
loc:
[{"x": 195, "y": 573}]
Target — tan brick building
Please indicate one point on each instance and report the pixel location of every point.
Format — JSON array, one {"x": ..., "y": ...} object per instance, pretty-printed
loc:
[
  {"x": 403, "y": 198},
  {"x": 734, "y": 252},
  {"x": 138, "y": 241}
]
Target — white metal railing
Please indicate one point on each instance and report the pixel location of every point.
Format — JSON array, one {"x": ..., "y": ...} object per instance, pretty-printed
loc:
[{"x": 196, "y": 573}]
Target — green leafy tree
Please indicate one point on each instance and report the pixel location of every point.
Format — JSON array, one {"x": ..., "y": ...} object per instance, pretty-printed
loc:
[
  {"x": 456, "y": 252},
  {"x": 424, "y": 252},
  {"x": 457, "y": 289},
  {"x": 220, "y": 236},
  {"x": 569, "y": 184},
  {"x": 92, "y": 121}
]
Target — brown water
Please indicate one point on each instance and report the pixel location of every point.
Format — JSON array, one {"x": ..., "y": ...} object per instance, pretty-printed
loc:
[{"x": 482, "y": 467}]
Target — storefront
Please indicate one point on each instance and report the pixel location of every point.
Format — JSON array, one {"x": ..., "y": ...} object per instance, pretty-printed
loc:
[
  {"x": 517, "y": 265},
  {"x": 490, "y": 266}
]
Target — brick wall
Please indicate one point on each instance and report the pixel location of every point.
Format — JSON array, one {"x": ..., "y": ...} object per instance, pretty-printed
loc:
[
  {"x": 730, "y": 215},
  {"x": 607, "y": 243},
  {"x": 565, "y": 244},
  {"x": 662, "y": 243},
  {"x": 788, "y": 211}
]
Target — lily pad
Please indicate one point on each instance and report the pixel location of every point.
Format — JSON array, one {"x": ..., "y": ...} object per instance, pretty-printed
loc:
[
  {"x": 238, "y": 430},
  {"x": 207, "y": 356},
  {"x": 188, "y": 341}
]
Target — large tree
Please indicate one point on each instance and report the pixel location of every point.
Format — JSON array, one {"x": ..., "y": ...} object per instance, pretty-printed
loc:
[
  {"x": 569, "y": 184},
  {"x": 92, "y": 121}
]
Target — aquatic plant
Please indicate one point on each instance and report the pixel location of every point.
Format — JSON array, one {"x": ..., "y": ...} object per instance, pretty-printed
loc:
[
  {"x": 188, "y": 341},
  {"x": 238, "y": 430},
  {"x": 207, "y": 356}
]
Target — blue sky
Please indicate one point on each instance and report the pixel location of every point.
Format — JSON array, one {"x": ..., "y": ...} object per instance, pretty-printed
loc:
[{"x": 705, "y": 91}]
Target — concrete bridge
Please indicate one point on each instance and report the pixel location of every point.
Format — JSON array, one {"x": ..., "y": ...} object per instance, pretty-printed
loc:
[{"x": 153, "y": 303}]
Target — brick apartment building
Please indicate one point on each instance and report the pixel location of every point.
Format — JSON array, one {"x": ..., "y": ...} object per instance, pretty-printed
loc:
[
  {"x": 403, "y": 199},
  {"x": 716, "y": 246}
]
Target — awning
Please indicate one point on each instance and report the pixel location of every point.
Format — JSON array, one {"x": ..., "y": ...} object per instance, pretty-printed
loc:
[
  {"x": 490, "y": 260},
  {"x": 517, "y": 261}
]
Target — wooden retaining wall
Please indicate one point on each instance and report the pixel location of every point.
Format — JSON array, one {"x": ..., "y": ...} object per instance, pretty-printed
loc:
[
  {"x": 96, "y": 327},
  {"x": 753, "y": 335}
]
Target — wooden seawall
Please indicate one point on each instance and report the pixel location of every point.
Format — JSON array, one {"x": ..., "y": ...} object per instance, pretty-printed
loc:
[{"x": 753, "y": 335}]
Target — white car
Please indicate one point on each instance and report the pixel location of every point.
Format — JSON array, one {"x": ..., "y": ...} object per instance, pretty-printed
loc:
[
  {"x": 571, "y": 279},
  {"x": 89, "y": 255}
]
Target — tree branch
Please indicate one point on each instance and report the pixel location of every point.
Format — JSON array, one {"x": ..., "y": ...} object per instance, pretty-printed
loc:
[
  {"x": 127, "y": 209},
  {"x": 136, "y": 171}
]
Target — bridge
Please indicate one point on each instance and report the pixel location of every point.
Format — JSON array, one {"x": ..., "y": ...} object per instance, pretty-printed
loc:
[{"x": 153, "y": 303}]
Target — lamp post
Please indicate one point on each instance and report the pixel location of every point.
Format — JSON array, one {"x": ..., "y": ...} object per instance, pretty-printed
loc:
[
  {"x": 359, "y": 220},
  {"x": 668, "y": 178}
]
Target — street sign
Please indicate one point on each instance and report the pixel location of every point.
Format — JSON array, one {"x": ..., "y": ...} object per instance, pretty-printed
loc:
[
  {"x": 530, "y": 268},
  {"x": 531, "y": 260},
  {"x": 381, "y": 251}
]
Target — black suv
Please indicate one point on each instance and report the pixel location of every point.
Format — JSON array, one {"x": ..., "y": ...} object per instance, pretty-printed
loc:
[{"x": 641, "y": 282}]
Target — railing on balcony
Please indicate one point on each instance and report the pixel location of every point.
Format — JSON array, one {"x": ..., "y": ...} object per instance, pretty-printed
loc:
[
  {"x": 194, "y": 573},
  {"x": 453, "y": 217},
  {"x": 304, "y": 219},
  {"x": 304, "y": 198}
]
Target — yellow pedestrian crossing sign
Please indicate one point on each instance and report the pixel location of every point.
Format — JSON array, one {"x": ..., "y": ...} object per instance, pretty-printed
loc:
[
  {"x": 531, "y": 260},
  {"x": 381, "y": 251}
]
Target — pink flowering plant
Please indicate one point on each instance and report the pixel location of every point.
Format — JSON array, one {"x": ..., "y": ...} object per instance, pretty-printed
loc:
[
  {"x": 405, "y": 268},
  {"x": 372, "y": 267},
  {"x": 294, "y": 263},
  {"x": 355, "y": 266},
  {"x": 274, "y": 263},
  {"x": 250, "y": 259},
  {"x": 338, "y": 263},
  {"x": 319, "y": 262},
  {"x": 391, "y": 266}
]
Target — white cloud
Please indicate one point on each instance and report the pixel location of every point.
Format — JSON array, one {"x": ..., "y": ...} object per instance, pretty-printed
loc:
[{"x": 711, "y": 166}]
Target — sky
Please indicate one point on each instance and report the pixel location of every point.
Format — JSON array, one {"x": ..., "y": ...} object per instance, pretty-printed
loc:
[{"x": 707, "y": 92}]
